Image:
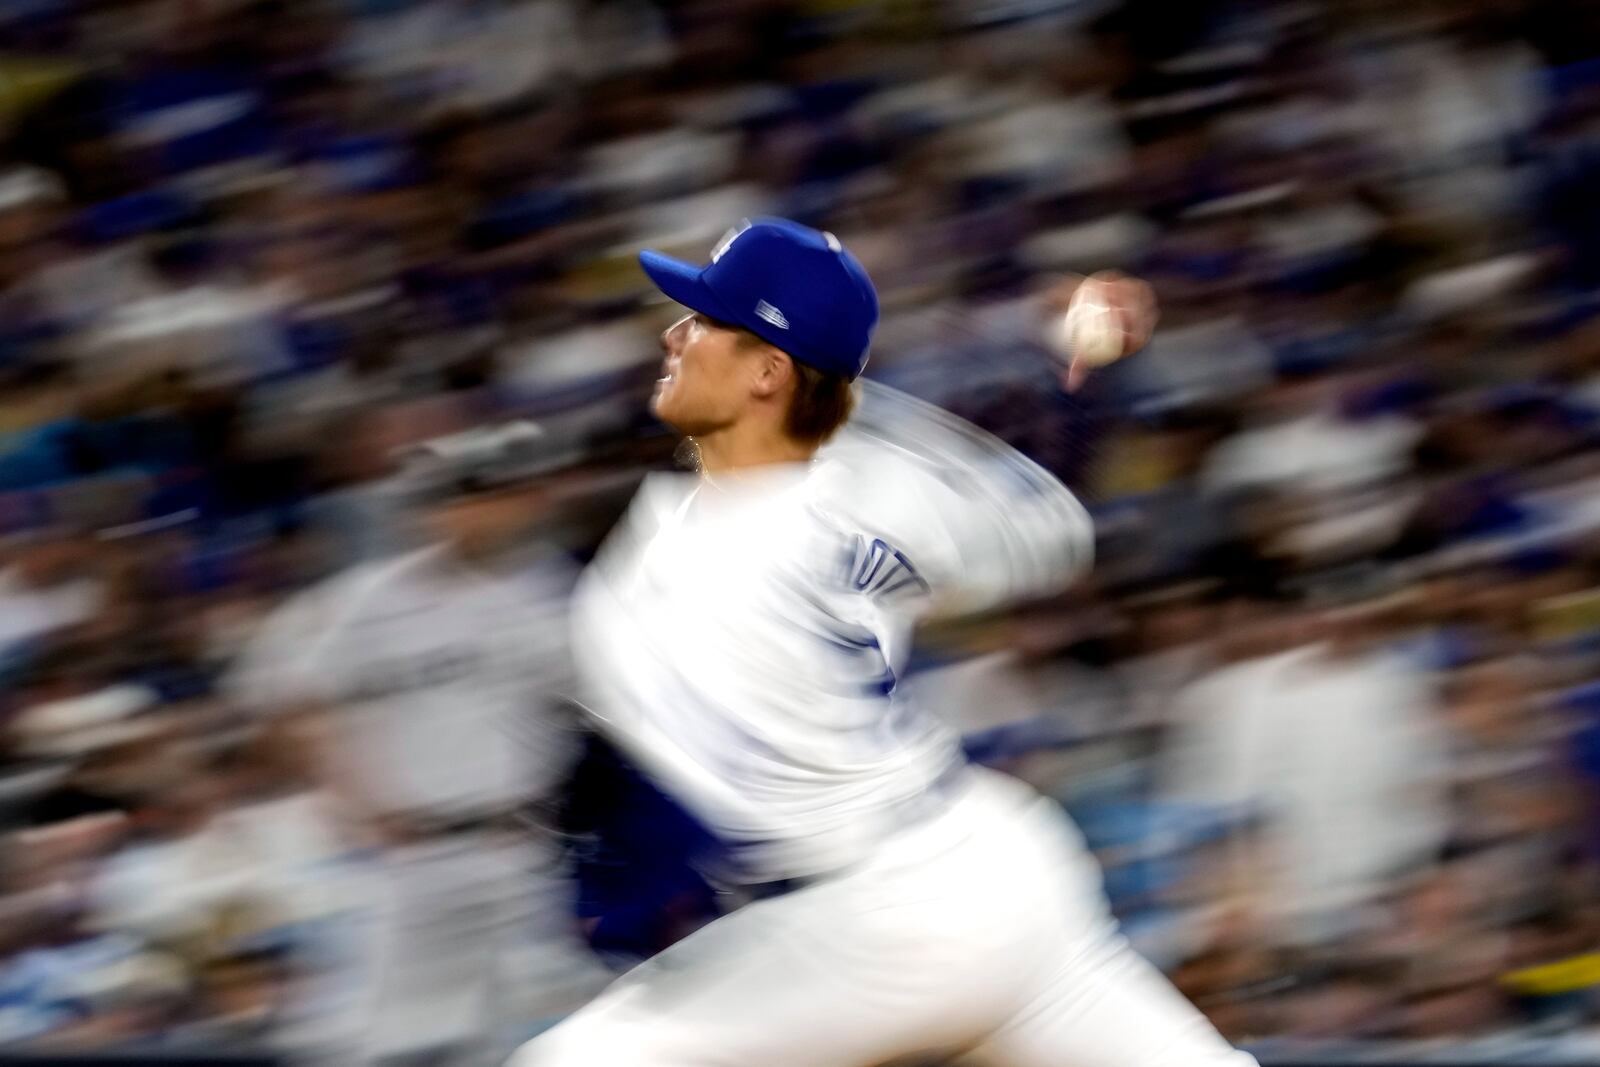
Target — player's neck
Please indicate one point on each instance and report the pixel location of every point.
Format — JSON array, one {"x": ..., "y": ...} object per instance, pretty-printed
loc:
[{"x": 748, "y": 446}]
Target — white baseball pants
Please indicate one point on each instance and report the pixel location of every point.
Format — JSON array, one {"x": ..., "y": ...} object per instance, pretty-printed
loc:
[{"x": 983, "y": 933}]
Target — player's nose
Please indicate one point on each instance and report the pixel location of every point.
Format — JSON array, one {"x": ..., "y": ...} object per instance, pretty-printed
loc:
[{"x": 673, "y": 335}]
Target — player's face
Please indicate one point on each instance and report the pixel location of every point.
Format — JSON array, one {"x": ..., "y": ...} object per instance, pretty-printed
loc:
[{"x": 704, "y": 383}]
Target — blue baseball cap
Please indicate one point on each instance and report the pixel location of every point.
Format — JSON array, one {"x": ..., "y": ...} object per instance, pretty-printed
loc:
[{"x": 794, "y": 287}]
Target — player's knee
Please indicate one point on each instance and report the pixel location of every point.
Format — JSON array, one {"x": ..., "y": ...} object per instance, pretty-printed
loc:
[
  {"x": 579, "y": 1043},
  {"x": 549, "y": 1049}
]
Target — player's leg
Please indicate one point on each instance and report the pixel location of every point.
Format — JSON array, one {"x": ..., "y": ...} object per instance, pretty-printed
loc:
[
  {"x": 1098, "y": 1003},
  {"x": 803, "y": 980},
  {"x": 1108, "y": 1007},
  {"x": 918, "y": 951}
]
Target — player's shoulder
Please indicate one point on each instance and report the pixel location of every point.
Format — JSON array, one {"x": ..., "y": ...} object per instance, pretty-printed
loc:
[
  {"x": 864, "y": 485},
  {"x": 657, "y": 497},
  {"x": 660, "y": 495}
]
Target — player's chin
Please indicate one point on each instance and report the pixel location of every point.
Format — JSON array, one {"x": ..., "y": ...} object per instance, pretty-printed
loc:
[
  {"x": 683, "y": 419},
  {"x": 665, "y": 405},
  {"x": 661, "y": 401}
]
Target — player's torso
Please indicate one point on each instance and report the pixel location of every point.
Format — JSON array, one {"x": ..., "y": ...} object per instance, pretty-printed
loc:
[{"x": 727, "y": 642}]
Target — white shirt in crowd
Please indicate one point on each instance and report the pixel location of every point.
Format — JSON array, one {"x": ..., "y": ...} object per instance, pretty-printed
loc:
[
  {"x": 1340, "y": 755},
  {"x": 1314, "y": 452},
  {"x": 28, "y": 611},
  {"x": 272, "y": 858},
  {"x": 444, "y": 678}
]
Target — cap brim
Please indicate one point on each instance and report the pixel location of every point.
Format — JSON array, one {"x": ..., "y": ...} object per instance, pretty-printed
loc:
[{"x": 682, "y": 282}]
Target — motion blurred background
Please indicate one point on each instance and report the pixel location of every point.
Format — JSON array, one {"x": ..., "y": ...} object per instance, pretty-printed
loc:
[{"x": 1328, "y": 710}]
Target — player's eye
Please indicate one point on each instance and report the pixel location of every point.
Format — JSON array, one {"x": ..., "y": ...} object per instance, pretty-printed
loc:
[{"x": 706, "y": 322}]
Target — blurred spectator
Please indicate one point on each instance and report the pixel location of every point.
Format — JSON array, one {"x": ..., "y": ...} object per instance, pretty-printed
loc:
[{"x": 428, "y": 688}]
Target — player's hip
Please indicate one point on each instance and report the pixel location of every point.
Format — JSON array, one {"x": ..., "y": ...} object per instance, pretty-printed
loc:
[
  {"x": 1001, "y": 874},
  {"x": 967, "y": 826},
  {"x": 935, "y": 942},
  {"x": 996, "y": 836}
]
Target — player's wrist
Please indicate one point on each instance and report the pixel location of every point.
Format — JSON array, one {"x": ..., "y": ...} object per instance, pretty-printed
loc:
[{"x": 1093, "y": 321}]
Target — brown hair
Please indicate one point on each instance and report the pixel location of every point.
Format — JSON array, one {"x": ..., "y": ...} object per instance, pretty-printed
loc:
[{"x": 821, "y": 402}]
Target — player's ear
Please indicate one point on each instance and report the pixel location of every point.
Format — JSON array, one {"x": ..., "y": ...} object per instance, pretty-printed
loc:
[{"x": 771, "y": 370}]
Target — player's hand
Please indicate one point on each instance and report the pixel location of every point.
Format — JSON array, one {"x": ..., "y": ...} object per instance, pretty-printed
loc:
[{"x": 1130, "y": 299}]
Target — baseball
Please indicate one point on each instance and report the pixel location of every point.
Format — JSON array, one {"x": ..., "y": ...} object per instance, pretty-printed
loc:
[{"x": 1093, "y": 329}]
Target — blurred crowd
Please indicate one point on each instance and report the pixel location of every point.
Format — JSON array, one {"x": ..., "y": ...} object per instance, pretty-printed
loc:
[{"x": 1329, "y": 708}]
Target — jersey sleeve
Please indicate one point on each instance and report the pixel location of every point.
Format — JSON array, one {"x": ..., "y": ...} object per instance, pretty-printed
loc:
[{"x": 947, "y": 510}]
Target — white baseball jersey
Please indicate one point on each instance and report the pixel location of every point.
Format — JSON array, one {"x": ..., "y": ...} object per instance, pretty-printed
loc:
[
  {"x": 444, "y": 679},
  {"x": 743, "y": 636}
]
